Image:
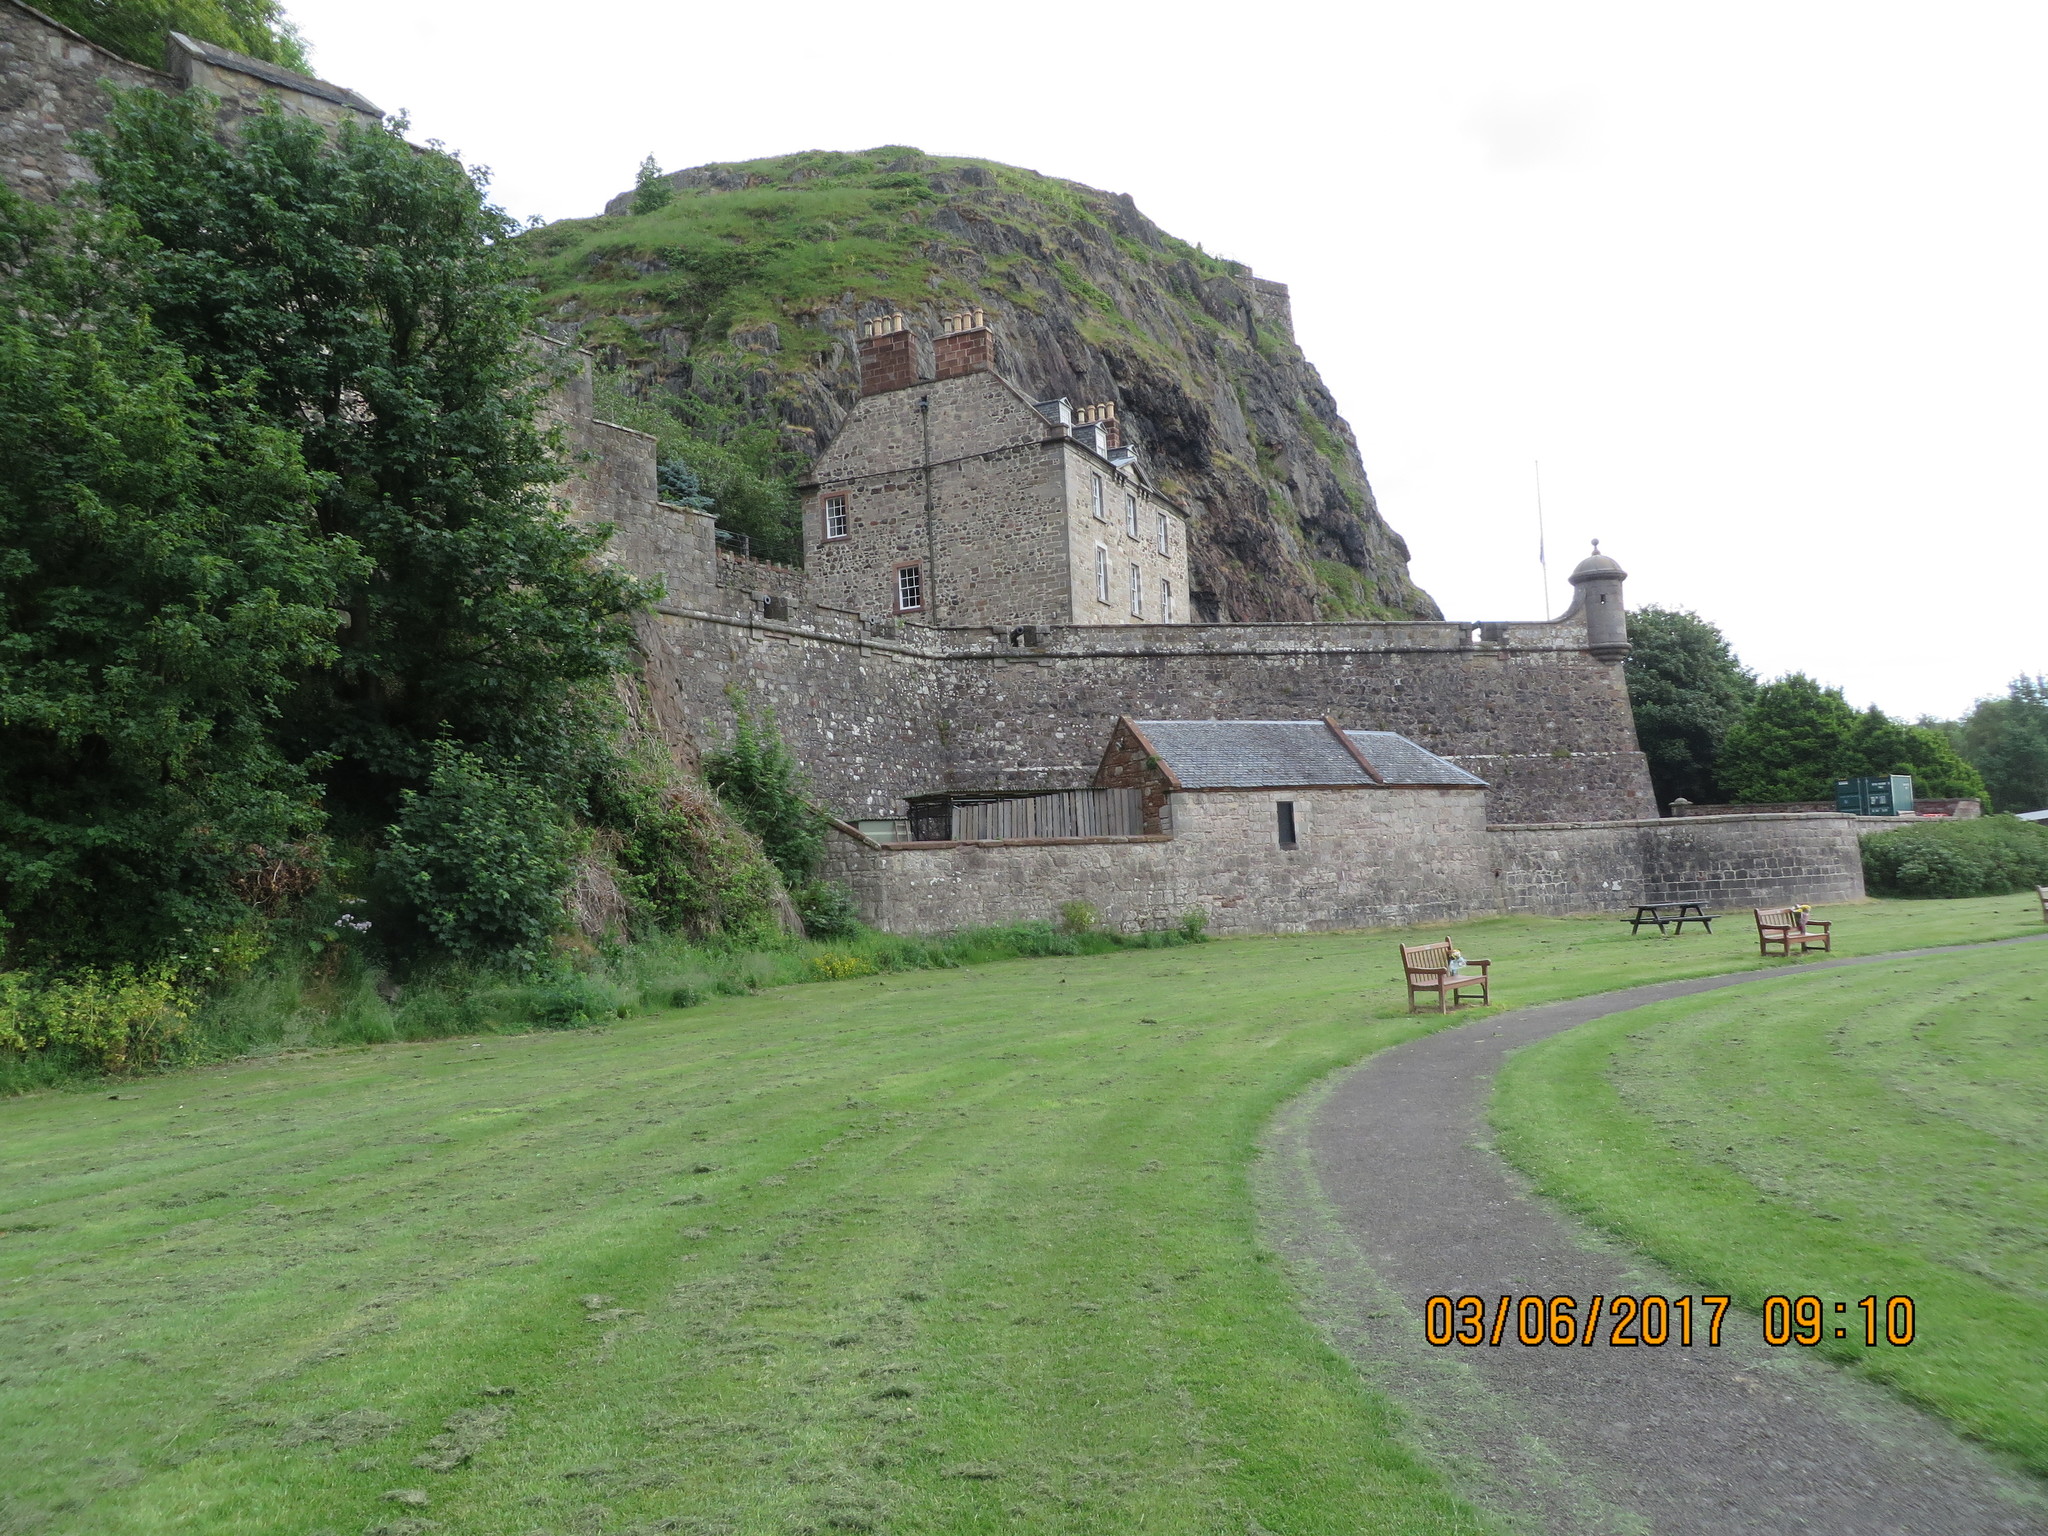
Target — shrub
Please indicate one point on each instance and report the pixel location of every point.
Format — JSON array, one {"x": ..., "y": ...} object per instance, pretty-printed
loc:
[
  {"x": 827, "y": 910},
  {"x": 481, "y": 859},
  {"x": 760, "y": 780},
  {"x": 1194, "y": 925},
  {"x": 1989, "y": 856},
  {"x": 115, "y": 1020},
  {"x": 1078, "y": 917},
  {"x": 835, "y": 967}
]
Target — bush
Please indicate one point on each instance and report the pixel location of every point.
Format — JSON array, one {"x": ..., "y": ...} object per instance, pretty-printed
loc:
[
  {"x": 102, "y": 1021},
  {"x": 827, "y": 910},
  {"x": 480, "y": 859},
  {"x": 762, "y": 784},
  {"x": 1990, "y": 856}
]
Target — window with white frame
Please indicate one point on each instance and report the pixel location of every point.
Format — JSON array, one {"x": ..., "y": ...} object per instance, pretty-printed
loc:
[
  {"x": 1101, "y": 574},
  {"x": 1130, "y": 514},
  {"x": 1166, "y": 602},
  {"x": 1165, "y": 529},
  {"x": 909, "y": 588},
  {"x": 1101, "y": 515},
  {"x": 835, "y": 517},
  {"x": 1137, "y": 593}
]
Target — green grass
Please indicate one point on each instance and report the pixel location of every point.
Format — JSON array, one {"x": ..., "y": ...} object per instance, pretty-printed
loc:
[
  {"x": 971, "y": 1250},
  {"x": 1876, "y": 1131}
]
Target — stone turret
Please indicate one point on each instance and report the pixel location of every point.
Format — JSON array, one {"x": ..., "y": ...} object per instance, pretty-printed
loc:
[{"x": 1598, "y": 579}]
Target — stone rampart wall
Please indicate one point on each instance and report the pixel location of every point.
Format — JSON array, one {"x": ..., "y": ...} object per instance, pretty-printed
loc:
[
  {"x": 53, "y": 84},
  {"x": 1724, "y": 862},
  {"x": 1368, "y": 859},
  {"x": 877, "y": 710}
]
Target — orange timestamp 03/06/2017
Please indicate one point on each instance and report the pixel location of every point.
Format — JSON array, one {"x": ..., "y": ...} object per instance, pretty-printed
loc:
[{"x": 1651, "y": 1320}]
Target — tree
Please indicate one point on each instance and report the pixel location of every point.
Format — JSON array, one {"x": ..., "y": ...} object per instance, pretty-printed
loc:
[
  {"x": 1792, "y": 743},
  {"x": 135, "y": 28},
  {"x": 164, "y": 586},
  {"x": 650, "y": 192},
  {"x": 1686, "y": 689},
  {"x": 2007, "y": 741},
  {"x": 367, "y": 291}
]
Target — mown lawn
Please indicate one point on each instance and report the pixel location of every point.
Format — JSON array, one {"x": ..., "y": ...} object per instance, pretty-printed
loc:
[
  {"x": 945, "y": 1252},
  {"x": 1876, "y": 1131}
]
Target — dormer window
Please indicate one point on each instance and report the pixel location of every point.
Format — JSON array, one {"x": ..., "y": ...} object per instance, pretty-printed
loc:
[
  {"x": 1130, "y": 514},
  {"x": 835, "y": 517}
]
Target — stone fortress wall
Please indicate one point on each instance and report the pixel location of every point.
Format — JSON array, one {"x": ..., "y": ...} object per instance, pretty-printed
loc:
[{"x": 53, "y": 84}]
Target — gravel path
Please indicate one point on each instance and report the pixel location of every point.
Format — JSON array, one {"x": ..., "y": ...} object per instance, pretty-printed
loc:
[{"x": 1383, "y": 1189}]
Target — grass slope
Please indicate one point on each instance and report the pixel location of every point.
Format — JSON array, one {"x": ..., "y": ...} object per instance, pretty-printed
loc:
[
  {"x": 949, "y": 1252},
  {"x": 1879, "y": 1131}
]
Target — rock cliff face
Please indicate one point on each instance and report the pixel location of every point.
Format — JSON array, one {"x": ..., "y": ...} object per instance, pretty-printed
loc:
[{"x": 755, "y": 275}]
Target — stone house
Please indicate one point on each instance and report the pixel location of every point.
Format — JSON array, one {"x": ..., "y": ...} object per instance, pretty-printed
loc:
[{"x": 958, "y": 499}]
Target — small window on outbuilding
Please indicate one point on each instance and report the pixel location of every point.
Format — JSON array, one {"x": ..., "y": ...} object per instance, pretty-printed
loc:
[
  {"x": 1284, "y": 814},
  {"x": 835, "y": 517}
]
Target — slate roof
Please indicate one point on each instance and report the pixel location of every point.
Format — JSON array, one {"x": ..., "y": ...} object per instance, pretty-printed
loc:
[
  {"x": 1248, "y": 754},
  {"x": 1400, "y": 761}
]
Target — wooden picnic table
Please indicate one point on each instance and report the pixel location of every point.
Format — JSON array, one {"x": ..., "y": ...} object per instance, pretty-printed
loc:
[{"x": 1676, "y": 913}]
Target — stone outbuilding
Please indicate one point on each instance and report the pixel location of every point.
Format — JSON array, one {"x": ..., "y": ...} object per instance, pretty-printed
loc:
[{"x": 1276, "y": 826}]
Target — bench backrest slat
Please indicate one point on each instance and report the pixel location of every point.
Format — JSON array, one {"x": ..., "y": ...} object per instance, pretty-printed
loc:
[
  {"x": 1774, "y": 917},
  {"x": 1425, "y": 957}
]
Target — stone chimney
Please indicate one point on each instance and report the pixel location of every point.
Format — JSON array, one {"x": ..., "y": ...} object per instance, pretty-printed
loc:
[
  {"x": 888, "y": 359},
  {"x": 964, "y": 345},
  {"x": 1107, "y": 434}
]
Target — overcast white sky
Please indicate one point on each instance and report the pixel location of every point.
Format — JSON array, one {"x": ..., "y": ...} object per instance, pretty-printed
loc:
[{"x": 1761, "y": 285}]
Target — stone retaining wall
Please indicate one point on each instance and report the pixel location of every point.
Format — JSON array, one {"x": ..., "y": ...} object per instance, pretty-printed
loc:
[{"x": 1368, "y": 858}]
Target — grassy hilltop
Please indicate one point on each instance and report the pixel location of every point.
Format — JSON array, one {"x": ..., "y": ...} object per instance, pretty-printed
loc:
[{"x": 743, "y": 292}]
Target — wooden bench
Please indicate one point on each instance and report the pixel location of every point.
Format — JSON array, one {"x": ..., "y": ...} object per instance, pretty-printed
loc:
[
  {"x": 1428, "y": 967},
  {"x": 1781, "y": 926}
]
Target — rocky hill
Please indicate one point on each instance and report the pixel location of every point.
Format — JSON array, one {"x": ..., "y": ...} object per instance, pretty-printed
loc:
[{"x": 748, "y": 285}]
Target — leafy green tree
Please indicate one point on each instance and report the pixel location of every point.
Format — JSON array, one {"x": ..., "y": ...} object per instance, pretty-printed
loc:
[
  {"x": 164, "y": 587},
  {"x": 1881, "y": 745},
  {"x": 1686, "y": 689},
  {"x": 2007, "y": 741},
  {"x": 367, "y": 292},
  {"x": 1792, "y": 743},
  {"x": 650, "y": 192},
  {"x": 135, "y": 28}
]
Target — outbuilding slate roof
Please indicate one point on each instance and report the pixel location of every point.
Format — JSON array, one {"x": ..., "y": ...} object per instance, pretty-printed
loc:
[
  {"x": 1249, "y": 754},
  {"x": 1400, "y": 761}
]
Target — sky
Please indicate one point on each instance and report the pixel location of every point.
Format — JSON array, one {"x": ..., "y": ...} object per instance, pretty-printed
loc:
[{"x": 1762, "y": 287}]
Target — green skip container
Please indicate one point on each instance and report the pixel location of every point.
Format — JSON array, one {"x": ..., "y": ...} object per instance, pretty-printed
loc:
[{"x": 1891, "y": 795}]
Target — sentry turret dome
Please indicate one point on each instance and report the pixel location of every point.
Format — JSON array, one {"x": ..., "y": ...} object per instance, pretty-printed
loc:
[{"x": 1597, "y": 566}]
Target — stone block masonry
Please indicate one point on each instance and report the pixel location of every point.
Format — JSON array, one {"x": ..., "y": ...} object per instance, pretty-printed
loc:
[
  {"x": 54, "y": 83},
  {"x": 1367, "y": 858}
]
